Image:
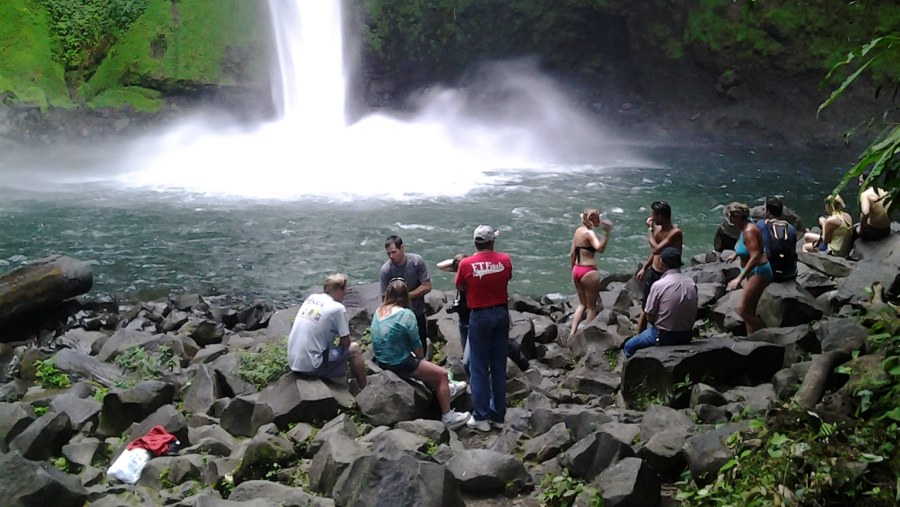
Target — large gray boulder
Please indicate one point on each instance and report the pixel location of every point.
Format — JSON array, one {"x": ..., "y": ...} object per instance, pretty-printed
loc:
[
  {"x": 336, "y": 455},
  {"x": 724, "y": 313},
  {"x": 14, "y": 418},
  {"x": 593, "y": 454},
  {"x": 708, "y": 451},
  {"x": 548, "y": 445},
  {"x": 656, "y": 370},
  {"x": 43, "y": 283},
  {"x": 387, "y": 400},
  {"x": 126, "y": 406},
  {"x": 80, "y": 410},
  {"x": 202, "y": 391},
  {"x": 796, "y": 340},
  {"x": 853, "y": 287},
  {"x": 27, "y": 483},
  {"x": 400, "y": 482},
  {"x": 835, "y": 267},
  {"x": 264, "y": 452},
  {"x": 485, "y": 471},
  {"x": 629, "y": 483},
  {"x": 44, "y": 438},
  {"x": 79, "y": 364},
  {"x": 580, "y": 420},
  {"x": 835, "y": 332},
  {"x": 277, "y": 494},
  {"x": 294, "y": 399},
  {"x": 787, "y": 304},
  {"x": 664, "y": 452}
]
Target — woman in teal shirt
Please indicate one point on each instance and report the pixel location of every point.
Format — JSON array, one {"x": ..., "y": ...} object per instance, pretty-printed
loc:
[{"x": 395, "y": 338}]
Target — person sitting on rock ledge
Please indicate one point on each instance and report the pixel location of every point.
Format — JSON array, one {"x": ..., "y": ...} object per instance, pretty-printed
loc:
[
  {"x": 671, "y": 307},
  {"x": 874, "y": 213},
  {"x": 311, "y": 349},
  {"x": 837, "y": 231},
  {"x": 398, "y": 348}
]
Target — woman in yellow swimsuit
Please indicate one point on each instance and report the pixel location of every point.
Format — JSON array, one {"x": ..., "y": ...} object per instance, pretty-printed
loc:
[{"x": 837, "y": 230}]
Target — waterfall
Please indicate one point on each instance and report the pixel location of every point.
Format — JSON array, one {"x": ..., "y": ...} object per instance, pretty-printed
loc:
[
  {"x": 310, "y": 88},
  {"x": 511, "y": 120}
]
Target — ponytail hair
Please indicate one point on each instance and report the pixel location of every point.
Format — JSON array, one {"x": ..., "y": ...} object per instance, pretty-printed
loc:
[{"x": 586, "y": 216}]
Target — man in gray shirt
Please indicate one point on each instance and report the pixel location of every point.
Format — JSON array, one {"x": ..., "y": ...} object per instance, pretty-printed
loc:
[
  {"x": 413, "y": 270},
  {"x": 671, "y": 307}
]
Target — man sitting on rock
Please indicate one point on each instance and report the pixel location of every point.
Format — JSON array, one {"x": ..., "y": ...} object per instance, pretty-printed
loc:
[
  {"x": 671, "y": 308},
  {"x": 321, "y": 318}
]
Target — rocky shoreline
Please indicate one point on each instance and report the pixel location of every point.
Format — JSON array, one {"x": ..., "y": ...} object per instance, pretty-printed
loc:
[{"x": 101, "y": 374}]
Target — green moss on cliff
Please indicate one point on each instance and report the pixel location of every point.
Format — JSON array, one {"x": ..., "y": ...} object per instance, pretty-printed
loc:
[
  {"x": 139, "y": 99},
  {"x": 27, "y": 69},
  {"x": 179, "y": 46}
]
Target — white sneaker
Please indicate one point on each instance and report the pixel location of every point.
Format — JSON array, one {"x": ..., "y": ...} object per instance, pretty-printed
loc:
[
  {"x": 457, "y": 388},
  {"x": 454, "y": 420},
  {"x": 483, "y": 426},
  {"x": 497, "y": 425}
]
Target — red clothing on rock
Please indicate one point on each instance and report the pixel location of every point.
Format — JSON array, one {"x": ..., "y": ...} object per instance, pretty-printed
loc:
[
  {"x": 484, "y": 276},
  {"x": 156, "y": 441}
]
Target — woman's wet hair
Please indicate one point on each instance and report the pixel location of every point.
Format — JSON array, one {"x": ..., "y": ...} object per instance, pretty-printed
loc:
[
  {"x": 737, "y": 208},
  {"x": 662, "y": 208},
  {"x": 834, "y": 203},
  {"x": 397, "y": 293},
  {"x": 587, "y": 214}
]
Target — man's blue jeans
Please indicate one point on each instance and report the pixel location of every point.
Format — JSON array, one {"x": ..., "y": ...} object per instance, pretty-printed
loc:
[
  {"x": 487, "y": 343},
  {"x": 647, "y": 338},
  {"x": 651, "y": 336}
]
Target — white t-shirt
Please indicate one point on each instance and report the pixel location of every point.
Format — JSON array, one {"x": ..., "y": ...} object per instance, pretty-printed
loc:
[{"x": 319, "y": 321}]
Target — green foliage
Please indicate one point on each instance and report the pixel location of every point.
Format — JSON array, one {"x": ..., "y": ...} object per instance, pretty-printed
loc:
[
  {"x": 139, "y": 99},
  {"x": 880, "y": 160},
  {"x": 164, "y": 479},
  {"x": 432, "y": 448},
  {"x": 39, "y": 411},
  {"x": 49, "y": 376},
  {"x": 263, "y": 367},
  {"x": 644, "y": 395},
  {"x": 143, "y": 365},
  {"x": 100, "y": 392},
  {"x": 225, "y": 486},
  {"x": 562, "y": 490},
  {"x": 27, "y": 69},
  {"x": 60, "y": 463},
  {"x": 801, "y": 35},
  {"x": 84, "y": 29},
  {"x": 175, "y": 46},
  {"x": 612, "y": 358},
  {"x": 794, "y": 457}
]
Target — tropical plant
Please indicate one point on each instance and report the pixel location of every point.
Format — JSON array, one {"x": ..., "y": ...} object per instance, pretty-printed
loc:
[
  {"x": 880, "y": 161},
  {"x": 265, "y": 366},
  {"x": 49, "y": 375}
]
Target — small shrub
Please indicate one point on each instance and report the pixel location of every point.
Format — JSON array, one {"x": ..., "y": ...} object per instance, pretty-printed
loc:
[
  {"x": 263, "y": 367},
  {"x": 562, "y": 490},
  {"x": 61, "y": 464},
  {"x": 49, "y": 375},
  {"x": 143, "y": 365},
  {"x": 39, "y": 411}
]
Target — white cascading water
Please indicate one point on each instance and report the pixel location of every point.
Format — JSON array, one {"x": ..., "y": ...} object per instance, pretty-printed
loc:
[{"x": 309, "y": 151}]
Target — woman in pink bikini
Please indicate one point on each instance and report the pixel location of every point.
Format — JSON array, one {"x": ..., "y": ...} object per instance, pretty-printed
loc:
[{"x": 584, "y": 267}]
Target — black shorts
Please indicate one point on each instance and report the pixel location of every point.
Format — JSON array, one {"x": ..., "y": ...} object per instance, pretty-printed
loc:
[
  {"x": 869, "y": 233},
  {"x": 651, "y": 276},
  {"x": 404, "y": 369}
]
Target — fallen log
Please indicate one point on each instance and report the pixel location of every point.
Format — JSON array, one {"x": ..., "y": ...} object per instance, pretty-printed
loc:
[
  {"x": 821, "y": 371},
  {"x": 42, "y": 284}
]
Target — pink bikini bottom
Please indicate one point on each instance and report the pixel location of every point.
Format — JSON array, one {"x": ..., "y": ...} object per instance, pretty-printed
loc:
[{"x": 578, "y": 271}]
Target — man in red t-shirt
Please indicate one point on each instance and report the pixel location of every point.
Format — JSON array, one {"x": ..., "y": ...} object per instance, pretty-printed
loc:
[{"x": 484, "y": 277}]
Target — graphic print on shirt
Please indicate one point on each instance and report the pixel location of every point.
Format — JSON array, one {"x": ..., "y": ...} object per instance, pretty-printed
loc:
[
  {"x": 480, "y": 269},
  {"x": 310, "y": 311}
]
